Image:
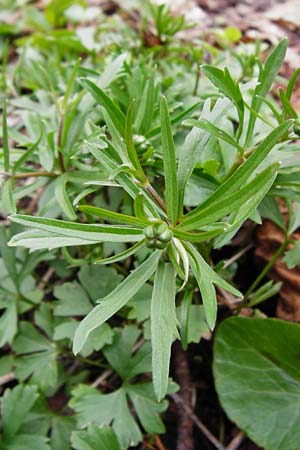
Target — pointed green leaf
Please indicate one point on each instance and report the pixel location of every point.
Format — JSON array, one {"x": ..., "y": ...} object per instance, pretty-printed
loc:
[
  {"x": 116, "y": 115},
  {"x": 228, "y": 203},
  {"x": 78, "y": 231},
  {"x": 123, "y": 255},
  {"x": 5, "y": 145},
  {"x": 63, "y": 199},
  {"x": 163, "y": 326},
  {"x": 114, "y": 301},
  {"x": 131, "y": 150},
  {"x": 113, "y": 216},
  {"x": 204, "y": 124},
  {"x": 266, "y": 77},
  {"x": 169, "y": 162}
]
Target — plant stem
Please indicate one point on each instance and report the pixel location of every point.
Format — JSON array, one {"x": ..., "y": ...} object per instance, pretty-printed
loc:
[
  {"x": 59, "y": 139},
  {"x": 266, "y": 269},
  {"x": 33, "y": 174},
  {"x": 212, "y": 439},
  {"x": 156, "y": 197}
]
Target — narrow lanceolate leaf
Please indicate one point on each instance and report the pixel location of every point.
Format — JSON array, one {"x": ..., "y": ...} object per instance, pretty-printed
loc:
[
  {"x": 123, "y": 255},
  {"x": 5, "y": 137},
  {"x": 110, "y": 304},
  {"x": 182, "y": 253},
  {"x": 288, "y": 108},
  {"x": 238, "y": 217},
  {"x": 63, "y": 198},
  {"x": 86, "y": 232},
  {"x": 116, "y": 115},
  {"x": 37, "y": 240},
  {"x": 266, "y": 77},
  {"x": 204, "y": 124},
  {"x": 106, "y": 214},
  {"x": 230, "y": 88},
  {"x": 243, "y": 173},
  {"x": 8, "y": 201},
  {"x": 206, "y": 278},
  {"x": 227, "y": 204},
  {"x": 201, "y": 236},
  {"x": 131, "y": 150},
  {"x": 169, "y": 162},
  {"x": 163, "y": 326}
]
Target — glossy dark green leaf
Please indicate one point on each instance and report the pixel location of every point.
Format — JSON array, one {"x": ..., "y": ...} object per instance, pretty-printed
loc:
[{"x": 257, "y": 374}]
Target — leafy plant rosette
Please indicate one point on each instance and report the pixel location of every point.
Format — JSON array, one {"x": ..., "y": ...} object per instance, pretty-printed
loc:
[{"x": 174, "y": 240}]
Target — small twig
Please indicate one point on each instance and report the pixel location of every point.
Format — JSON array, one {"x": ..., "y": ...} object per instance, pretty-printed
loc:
[
  {"x": 227, "y": 299},
  {"x": 212, "y": 439},
  {"x": 236, "y": 441},
  {"x": 7, "y": 378},
  {"x": 266, "y": 269},
  {"x": 100, "y": 380},
  {"x": 45, "y": 278},
  {"x": 237, "y": 256},
  {"x": 158, "y": 443}
]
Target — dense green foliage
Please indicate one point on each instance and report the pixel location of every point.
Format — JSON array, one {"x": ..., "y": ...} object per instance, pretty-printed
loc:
[{"x": 127, "y": 172}]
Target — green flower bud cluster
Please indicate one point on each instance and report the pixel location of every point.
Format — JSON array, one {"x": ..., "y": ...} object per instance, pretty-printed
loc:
[
  {"x": 297, "y": 129},
  {"x": 157, "y": 235}
]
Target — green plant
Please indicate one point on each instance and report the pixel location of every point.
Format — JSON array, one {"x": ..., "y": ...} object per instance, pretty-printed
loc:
[
  {"x": 133, "y": 178},
  {"x": 160, "y": 224}
]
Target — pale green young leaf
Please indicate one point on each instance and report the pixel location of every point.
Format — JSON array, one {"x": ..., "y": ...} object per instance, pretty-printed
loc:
[
  {"x": 114, "y": 301},
  {"x": 163, "y": 326},
  {"x": 169, "y": 162}
]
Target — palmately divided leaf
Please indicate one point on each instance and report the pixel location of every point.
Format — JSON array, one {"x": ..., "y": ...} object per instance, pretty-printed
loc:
[{"x": 114, "y": 301}]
